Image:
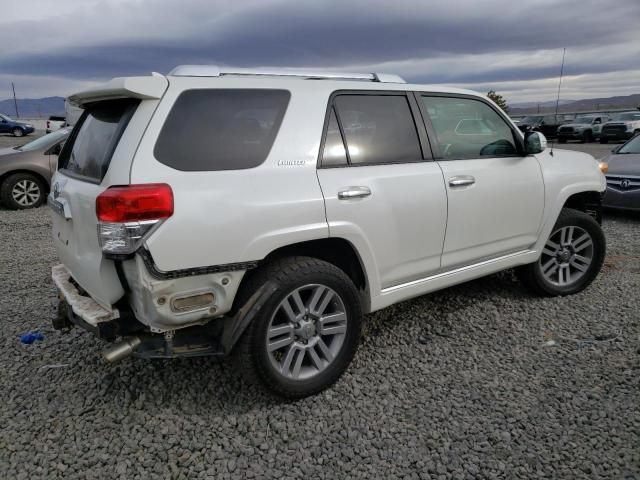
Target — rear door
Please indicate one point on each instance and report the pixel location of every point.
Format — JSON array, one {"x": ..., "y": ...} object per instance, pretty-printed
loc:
[
  {"x": 495, "y": 191},
  {"x": 382, "y": 191}
]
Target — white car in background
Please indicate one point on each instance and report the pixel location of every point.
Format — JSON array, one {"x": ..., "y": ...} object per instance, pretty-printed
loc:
[{"x": 55, "y": 123}]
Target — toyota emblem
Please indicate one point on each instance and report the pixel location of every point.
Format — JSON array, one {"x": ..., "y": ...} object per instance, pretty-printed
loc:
[{"x": 625, "y": 183}]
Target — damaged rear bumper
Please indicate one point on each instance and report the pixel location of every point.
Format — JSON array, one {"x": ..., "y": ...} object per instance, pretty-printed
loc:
[{"x": 214, "y": 338}]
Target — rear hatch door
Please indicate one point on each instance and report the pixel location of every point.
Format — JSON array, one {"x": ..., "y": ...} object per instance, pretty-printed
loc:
[{"x": 97, "y": 155}]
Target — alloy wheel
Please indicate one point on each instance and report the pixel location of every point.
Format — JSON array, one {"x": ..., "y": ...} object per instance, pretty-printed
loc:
[
  {"x": 566, "y": 256},
  {"x": 26, "y": 193},
  {"x": 306, "y": 332}
]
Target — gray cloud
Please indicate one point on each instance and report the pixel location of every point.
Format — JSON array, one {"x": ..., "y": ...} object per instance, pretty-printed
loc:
[{"x": 466, "y": 42}]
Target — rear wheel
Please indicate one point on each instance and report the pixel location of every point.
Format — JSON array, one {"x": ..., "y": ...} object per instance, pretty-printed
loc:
[
  {"x": 571, "y": 257},
  {"x": 306, "y": 334},
  {"x": 21, "y": 191},
  {"x": 17, "y": 132}
]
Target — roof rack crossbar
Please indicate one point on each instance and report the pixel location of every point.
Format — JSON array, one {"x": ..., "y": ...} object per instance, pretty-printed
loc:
[{"x": 215, "y": 71}]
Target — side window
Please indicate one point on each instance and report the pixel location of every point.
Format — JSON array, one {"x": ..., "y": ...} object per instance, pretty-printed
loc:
[
  {"x": 549, "y": 120},
  {"x": 333, "y": 154},
  {"x": 467, "y": 128},
  {"x": 378, "y": 129},
  {"x": 221, "y": 129}
]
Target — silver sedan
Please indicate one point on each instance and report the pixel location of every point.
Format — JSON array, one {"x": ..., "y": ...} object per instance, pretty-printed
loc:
[{"x": 623, "y": 177}]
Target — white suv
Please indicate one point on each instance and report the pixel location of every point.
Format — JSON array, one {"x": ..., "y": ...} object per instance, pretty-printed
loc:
[{"x": 264, "y": 212}]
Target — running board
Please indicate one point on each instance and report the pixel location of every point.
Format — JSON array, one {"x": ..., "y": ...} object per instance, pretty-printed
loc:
[{"x": 415, "y": 288}]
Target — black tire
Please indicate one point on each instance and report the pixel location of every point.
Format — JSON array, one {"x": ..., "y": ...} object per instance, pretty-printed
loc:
[
  {"x": 251, "y": 356},
  {"x": 18, "y": 132},
  {"x": 604, "y": 140},
  {"x": 531, "y": 275},
  {"x": 12, "y": 181}
]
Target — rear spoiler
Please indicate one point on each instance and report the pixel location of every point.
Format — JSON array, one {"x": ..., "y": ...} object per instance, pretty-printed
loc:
[{"x": 123, "y": 87}]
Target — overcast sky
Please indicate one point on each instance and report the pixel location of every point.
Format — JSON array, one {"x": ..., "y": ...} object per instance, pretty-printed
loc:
[{"x": 512, "y": 46}]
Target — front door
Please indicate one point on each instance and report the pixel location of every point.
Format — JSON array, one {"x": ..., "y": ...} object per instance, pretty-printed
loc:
[
  {"x": 382, "y": 191},
  {"x": 495, "y": 191}
]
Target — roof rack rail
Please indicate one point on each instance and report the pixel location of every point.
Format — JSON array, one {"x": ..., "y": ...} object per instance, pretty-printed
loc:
[{"x": 215, "y": 71}]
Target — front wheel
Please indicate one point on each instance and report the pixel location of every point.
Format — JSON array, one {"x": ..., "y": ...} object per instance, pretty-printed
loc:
[
  {"x": 21, "y": 191},
  {"x": 571, "y": 258},
  {"x": 18, "y": 132},
  {"x": 307, "y": 332}
]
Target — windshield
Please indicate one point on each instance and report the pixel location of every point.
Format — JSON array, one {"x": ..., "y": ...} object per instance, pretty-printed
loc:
[
  {"x": 45, "y": 142},
  {"x": 632, "y": 146},
  {"x": 8, "y": 119},
  {"x": 582, "y": 120},
  {"x": 532, "y": 119},
  {"x": 629, "y": 116}
]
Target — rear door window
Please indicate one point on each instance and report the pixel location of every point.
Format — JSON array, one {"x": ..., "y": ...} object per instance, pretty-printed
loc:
[
  {"x": 221, "y": 129},
  {"x": 378, "y": 129},
  {"x": 88, "y": 153}
]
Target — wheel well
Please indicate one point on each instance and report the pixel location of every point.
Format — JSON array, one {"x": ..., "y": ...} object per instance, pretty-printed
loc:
[
  {"x": 336, "y": 251},
  {"x": 587, "y": 202},
  {"x": 30, "y": 172}
]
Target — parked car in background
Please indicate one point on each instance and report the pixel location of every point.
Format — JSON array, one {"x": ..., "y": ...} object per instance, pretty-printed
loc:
[
  {"x": 584, "y": 128},
  {"x": 622, "y": 127},
  {"x": 14, "y": 127},
  {"x": 623, "y": 176},
  {"x": 25, "y": 172},
  {"x": 545, "y": 124},
  {"x": 365, "y": 191},
  {"x": 55, "y": 123}
]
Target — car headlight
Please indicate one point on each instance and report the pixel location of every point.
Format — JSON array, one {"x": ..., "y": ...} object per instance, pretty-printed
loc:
[
  {"x": 28, "y": 125},
  {"x": 604, "y": 167},
  {"x": 629, "y": 126}
]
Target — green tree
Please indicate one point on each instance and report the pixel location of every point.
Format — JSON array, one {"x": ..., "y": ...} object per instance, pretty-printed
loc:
[{"x": 498, "y": 100}]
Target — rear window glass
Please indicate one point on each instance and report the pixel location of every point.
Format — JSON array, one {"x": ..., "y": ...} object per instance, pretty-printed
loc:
[
  {"x": 221, "y": 129},
  {"x": 378, "y": 129},
  {"x": 95, "y": 137}
]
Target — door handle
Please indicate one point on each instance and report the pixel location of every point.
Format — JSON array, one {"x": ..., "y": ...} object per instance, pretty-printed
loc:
[
  {"x": 461, "y": 181},
  {"x": 354, "y": 192}
]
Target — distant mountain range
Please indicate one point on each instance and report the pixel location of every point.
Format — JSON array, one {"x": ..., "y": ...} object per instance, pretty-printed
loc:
[
  {"x": 33, "y": 107},
  {"x": 589, "y": 104},
  {"x": 43, "y": 107}
]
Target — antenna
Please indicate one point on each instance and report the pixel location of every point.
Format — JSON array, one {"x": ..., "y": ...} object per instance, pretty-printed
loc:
[
  {"x": 15, "y": 102},
  {"x": 564, "y": 51}
]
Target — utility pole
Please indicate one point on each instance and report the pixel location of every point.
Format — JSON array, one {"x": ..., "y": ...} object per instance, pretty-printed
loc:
[{"x": 15, "y": 102}]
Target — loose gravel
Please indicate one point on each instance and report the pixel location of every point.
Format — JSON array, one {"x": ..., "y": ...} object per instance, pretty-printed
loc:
[{"x": 477, "y": 381}]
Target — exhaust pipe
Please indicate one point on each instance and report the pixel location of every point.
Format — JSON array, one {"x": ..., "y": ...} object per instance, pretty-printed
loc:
[{"x": 121, "y": 349}]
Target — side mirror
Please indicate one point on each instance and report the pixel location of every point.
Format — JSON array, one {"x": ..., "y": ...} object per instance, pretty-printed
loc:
[
  {"x": 534, "y": 142},
  {"x": 55, "y": 150}
]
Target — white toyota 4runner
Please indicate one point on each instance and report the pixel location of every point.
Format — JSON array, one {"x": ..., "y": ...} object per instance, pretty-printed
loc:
[{"x": 262, "y": 213}]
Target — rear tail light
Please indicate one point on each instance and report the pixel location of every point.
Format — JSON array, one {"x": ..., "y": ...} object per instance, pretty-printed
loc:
[{"x": 128, "y": 214}]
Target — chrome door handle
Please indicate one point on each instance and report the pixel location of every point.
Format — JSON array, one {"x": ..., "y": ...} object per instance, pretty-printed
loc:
[
  {"x": 353, "y": 192},
  {"x": 461, "y": 181}
]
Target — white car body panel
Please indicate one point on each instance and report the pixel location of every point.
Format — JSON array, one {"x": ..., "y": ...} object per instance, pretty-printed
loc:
[
  {"x": 414, "y": 234},
  {"x": 402, "y": 223},
  {"x": 481, "y": 224}
]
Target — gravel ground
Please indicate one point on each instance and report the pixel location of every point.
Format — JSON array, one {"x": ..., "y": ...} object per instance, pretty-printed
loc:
[{"x": 457, "y": 384}]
